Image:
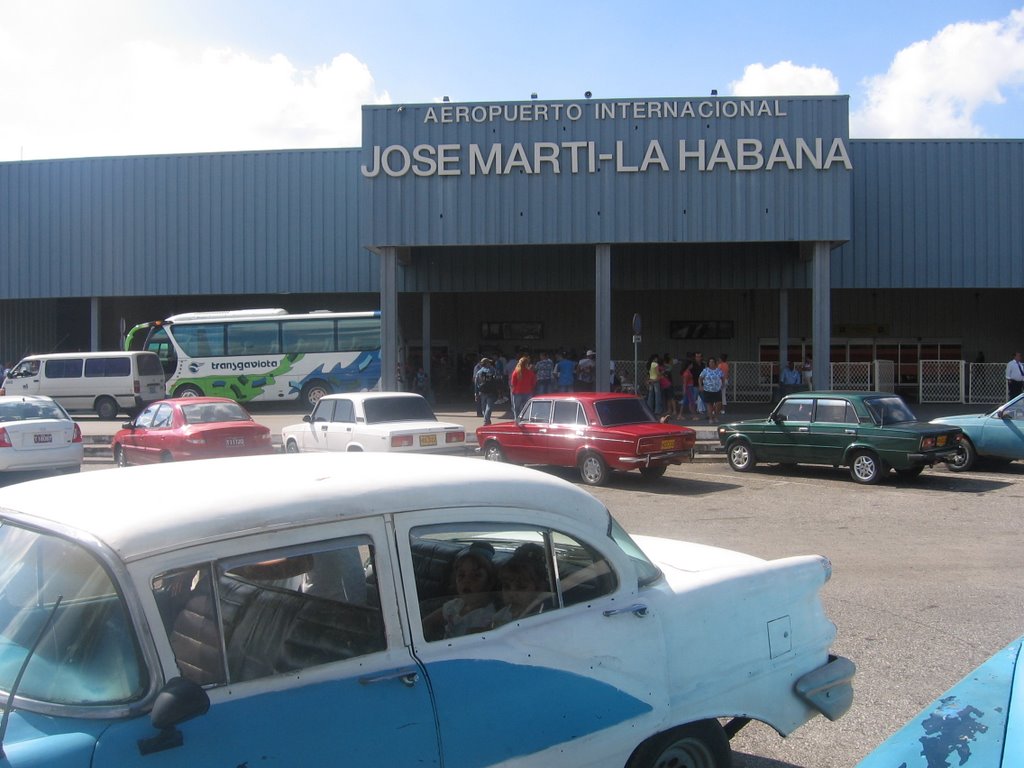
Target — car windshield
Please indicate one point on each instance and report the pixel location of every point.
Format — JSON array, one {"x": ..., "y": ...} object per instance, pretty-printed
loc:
[
  {"x": 889, "y": 410},
  {"x": 208, "y": 413},
  {"x": 55, "y": 592},
  {"x": 25, "y": 410},
  {"x": 623, "y": 410},
  {"x": 382, "y": 409}
]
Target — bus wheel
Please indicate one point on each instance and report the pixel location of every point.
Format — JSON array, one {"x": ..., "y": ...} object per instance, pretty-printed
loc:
[
  {"x": 106, "y": 408},
  {"x": 188, "y": 390},
  {"x": 313, "y": 391}
]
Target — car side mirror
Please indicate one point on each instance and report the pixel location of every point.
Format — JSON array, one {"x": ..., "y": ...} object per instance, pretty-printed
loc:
[
  {"x": 178, "y": 701},
  {"x": 1004, "y": 414},
  {"x": 308, "y": 418},
  {"x": 778, "y": 418},
  {"x": 129, "y": 424}
]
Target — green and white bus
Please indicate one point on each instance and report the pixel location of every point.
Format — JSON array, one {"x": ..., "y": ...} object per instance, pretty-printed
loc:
[{"x": 264, "y": 355}]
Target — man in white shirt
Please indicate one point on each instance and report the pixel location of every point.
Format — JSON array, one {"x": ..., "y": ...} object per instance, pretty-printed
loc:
[{"x": 1015, "y": 376}]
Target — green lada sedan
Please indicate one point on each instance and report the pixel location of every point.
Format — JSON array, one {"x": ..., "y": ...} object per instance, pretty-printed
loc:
[{"x": 869, "y": 432}]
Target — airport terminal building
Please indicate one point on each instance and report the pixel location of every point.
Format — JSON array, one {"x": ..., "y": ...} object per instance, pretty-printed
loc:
[{"x": 750, "y": 226}]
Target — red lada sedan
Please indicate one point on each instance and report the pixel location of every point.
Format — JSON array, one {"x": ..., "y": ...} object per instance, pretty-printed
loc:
[
  {"x": 179, "y": 429},
  {"x": 595, "y": 432}
]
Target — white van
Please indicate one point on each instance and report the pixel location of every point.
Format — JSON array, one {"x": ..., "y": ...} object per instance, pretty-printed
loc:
[{"x": 105, "y": 382}]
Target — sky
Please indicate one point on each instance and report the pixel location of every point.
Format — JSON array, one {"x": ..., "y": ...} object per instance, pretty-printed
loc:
[{"x": 130, "y": 77}]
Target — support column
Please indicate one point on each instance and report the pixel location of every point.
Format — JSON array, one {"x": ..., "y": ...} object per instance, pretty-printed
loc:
[
  {"x": 428, "y": 344},
  {"x": 388, "y": 319},
  {"x": 94, "y": 324},
  {"x": 603, "y": 316},
  {"x": 783, "y": 329},
  {"x": 821, "y": 314}
]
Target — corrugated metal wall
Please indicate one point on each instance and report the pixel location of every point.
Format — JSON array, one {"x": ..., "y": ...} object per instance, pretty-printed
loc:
[
  {"x": 248, "y": 222},
  {"x": 26, "y": 328},
  {"x": 935, "y": 214}
]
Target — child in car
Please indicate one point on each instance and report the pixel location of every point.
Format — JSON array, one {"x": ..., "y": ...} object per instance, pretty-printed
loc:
[
  {"x": 473, "y": 609},
  {"x": 525, "y": 588}
]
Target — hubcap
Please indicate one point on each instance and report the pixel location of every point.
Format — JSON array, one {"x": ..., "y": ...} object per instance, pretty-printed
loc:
[
  {"x": 686, "y": 753},
  {"x": 864, "y": 466}
]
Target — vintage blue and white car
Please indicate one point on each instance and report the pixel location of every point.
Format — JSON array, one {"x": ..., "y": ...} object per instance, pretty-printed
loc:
[
  {"x": 381, "y": 609},
  {"x": 996, "y": 436}
]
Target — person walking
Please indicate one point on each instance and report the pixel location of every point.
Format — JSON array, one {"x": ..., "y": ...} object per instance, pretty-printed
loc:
[
  {"x": 711, "y": 389},
  {"x": 486, "y": 382},
  {"x": 1014, "y": 376},
  {"x": 521, "y": 385}
]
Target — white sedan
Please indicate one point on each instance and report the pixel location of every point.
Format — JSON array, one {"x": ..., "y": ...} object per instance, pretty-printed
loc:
[
  {"x": 400, "y": 422},
  {"x": 36, "y": 433},
  {"x": 406, "y": 610}
]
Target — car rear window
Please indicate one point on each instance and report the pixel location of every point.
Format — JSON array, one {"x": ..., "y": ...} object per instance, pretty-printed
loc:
[
  {"x": 149, "y": 365},
  {"x": 108, "y": 366},
  {"x": 209, "y": 413},
  {"x": 27, "y": 411},
  {"x": 619, "y": 411},
  {"x": 383, "y": 409}
]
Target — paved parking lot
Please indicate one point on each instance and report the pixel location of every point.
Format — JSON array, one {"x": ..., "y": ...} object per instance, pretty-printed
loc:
[{"x": 924, "y": 586}]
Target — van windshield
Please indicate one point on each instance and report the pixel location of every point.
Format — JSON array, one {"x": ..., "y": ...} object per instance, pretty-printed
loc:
[{"x": 88, "y": 655}]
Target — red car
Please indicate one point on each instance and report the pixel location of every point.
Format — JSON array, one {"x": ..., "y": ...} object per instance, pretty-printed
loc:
[
  {"x": 594, "y": 432},
  {"x": 190, "y": 428}
]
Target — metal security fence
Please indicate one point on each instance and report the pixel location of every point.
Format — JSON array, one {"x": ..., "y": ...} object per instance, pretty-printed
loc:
[
  {"x": 750, "y": 382},
  {"x": 851, "y": 376},
  {"x": 885, "y": 376},
  {"x": 940, "y": 381},
  {"x": 986, "y": 383}
]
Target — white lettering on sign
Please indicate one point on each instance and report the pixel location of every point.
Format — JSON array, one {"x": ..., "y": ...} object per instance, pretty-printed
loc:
[
  {"x": 575, "y": 157},
  {"x": 533, "y": 112}
]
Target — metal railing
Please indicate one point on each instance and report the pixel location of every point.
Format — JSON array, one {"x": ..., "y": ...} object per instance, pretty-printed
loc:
[{"x": 955, "y": 381}]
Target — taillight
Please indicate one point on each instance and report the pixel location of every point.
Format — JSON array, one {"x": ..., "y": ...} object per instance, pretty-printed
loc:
[
  {"x": 401, "y": 441},
  {"x": 927, "y": 443},
  {"x": 5, "y": 441},
  {"x": 137, "y": 385},
  {"x": 76, "y": 435},
  {"x": 455, "y": 437},
  {"x": 195, "y": 440}
]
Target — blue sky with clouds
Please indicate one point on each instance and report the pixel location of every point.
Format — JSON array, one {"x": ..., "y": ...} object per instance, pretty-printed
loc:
[{"x": 119, "y": 77}]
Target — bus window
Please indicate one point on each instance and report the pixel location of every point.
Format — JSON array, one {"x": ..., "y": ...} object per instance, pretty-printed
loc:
[
  {"x": 358, "y": 334},
  {"x": 304, "y": 336},
  {"x": 206, "y": 340},
  {"x": 253, "y": 339}
]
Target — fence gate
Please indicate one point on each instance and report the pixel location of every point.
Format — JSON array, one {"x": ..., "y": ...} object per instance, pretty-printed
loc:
[
  {"x": 986, "y": 383},
  {"x": 885, "y": 376},
  {"x": 940, "y": 381},
  {"x": 851, "y": 376}
]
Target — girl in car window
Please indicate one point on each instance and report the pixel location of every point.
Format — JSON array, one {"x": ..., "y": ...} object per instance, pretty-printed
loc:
[
  {"x": 525, "y": 589},
  {"x": 475, "y": 582}
]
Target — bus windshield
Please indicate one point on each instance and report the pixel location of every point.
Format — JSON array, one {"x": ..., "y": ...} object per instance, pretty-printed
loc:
[{"x": 265, "y": 355}]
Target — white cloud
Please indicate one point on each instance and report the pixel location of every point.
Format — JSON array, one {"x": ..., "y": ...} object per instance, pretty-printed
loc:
[
  {"x": 85, "y": 82},
  {"x": 785, "y": 79},
  {"x": 934, "y": 87}
]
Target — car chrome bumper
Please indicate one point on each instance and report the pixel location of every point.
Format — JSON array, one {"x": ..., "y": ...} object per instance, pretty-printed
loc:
[
  {"x": 932, "y": 458},
  {"x": 658, "y": 458},
  {"x": 829, "y": 688}
]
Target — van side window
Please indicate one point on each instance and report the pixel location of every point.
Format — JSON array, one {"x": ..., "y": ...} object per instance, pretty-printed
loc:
[
  {"x": 108, "y": 366},
  {"x": 70, "y": 368}
]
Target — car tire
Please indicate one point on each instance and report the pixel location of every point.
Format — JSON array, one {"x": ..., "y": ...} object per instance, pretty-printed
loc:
[
  {"x": 120, "y": 457},
  {"x": 291, "y": 447},
  {"x": 166, "y": 457},
  {"x": 866, "y": 468},
  {"x": 654, "y": 472},
  {"x": 313, "y": 392},
  {"x": 107, "y": 408},
  {"x": 188, "y": 390},
  {"x": 493, "y": 452},
  {"x": 703, "y": 744},
  {"x": 966, "y": 456},
  {"x": 593, "y": 470},
  {"x": 740, "y": 456},
  {"x": 911, "y": 473}
]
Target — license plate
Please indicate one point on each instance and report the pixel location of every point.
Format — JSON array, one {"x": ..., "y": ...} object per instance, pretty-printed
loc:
[
  {"x": 235, "y": 442},
  {"x": 941, "y": 441},
  {"x": 668, "y": 444},
  {"x": 426, "y": 440},
  {"x": 42, "y": 438},
  {"x": 153, "y": 387}
]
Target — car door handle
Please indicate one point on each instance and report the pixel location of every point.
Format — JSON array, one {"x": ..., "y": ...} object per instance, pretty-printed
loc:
[
  {"x": 804, "y": 429},
  {"x": 849, "y": 431},
  {"x": 408, "y": 676},
  {"x": 637, "y": 609}
]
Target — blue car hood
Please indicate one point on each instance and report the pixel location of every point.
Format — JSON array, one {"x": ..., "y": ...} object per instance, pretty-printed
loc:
[
  {"x": 35, "y": 741},
  {"x": 965, "y": 420}
]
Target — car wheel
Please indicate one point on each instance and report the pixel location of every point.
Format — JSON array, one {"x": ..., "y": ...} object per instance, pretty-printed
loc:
[
  {"x": 166, "y": 458},
  {"x": 741, "y": 456},
  {"x": 965, "y": 458},
  {"x": 698, "y": 745},
  {"x": 313, "y": 391},
  {"x": 106, "y": 408},
  {"x": 120, "y": 457},
  {"x": 593, "y": 470},
  {"x": 188, "y": 390},
  {"x": 493, "y": 452},
  {"x": 865, "y": 467},
  {"x": 655, "y": 471},
  {"x": 291, "y": 447},
  {"x": 910, "y": 473}
]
